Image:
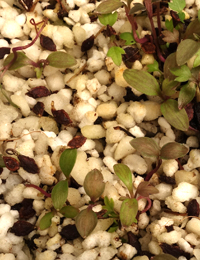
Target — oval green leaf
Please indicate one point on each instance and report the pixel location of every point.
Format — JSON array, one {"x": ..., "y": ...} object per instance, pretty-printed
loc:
[
  {"x": 108, "y": 19},
  {"x": 109, "y": 6},
  {"x": 60, "y": 59},
  {"x": 193, "y": 28},
  {"x": 93, "y": 184},
  {"x": 186, "y": 49},
  {"x": 86, "y": 221},
  {"x": 67, "y": 161},
  {"x": 21, "y": 61},
  {"x": 137, "y": 7},
  {"x": 169, "y": 87},
  {"x": 59, "y": 194},
  {"x": 125, "y": 175},
  {"x": 146, "y": 146},
  {"x": 69, "y": 211},
  {"x": 142, "y": 81},
  {"x": 186, "y": 94},
  {"x": 175, "y": 117},
  {"x": 164, "y": 257},
  {"x": 173, "y": 150},
  {"x": 45, "y": 221},
  {"x": 128, "y": 212},
  {"x": 170, "y": 63}
]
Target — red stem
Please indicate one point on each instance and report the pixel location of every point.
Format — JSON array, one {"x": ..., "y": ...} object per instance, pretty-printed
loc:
[
  {"x": 149, "y": 175},
  {"x": 149, "y": 203},
  {"x": 179, "y": 164},
  {"x": 39, "y": 189}
]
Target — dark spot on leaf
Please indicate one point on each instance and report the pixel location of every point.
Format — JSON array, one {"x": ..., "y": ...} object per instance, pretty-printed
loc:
[
  {"x": 38, "y": 92},
  {"x": 22, "y": 228},
  {"x": 169, "y": 228},
  {"x": 60, "y": 116},
  {"x": 28, "y": 164},
  {"x": 38, "y": 109},
  {"x": 87, "y": 44},
  {"x": 193, "y": 208},
  {"x": 26, "y": 211},
  {"x": 77, "y": 142},
  {"x": 148, "y": 47},
  {"x": 167, "y": 179},
  {"x": 69, "y": 232},
  {"x": 133, "y": 240},
  {"x": 4, "y": 51},
  {"x": 11, "y": 163},
  {"x": 47, "y": 43},
  {"x": 174, "y": 250}
]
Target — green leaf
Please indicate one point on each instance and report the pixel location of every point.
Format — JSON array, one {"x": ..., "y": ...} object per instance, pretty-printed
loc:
[
  {"x": 142, "y": 81},
  {"x": 128, "y": 37},
  {"x": 186, "y": 95},
  {"x": 177, "y": 118},
  {"x": 164, "y": 257},
  {"x": 193, "y": 28},
  {"x": 186, "y": 49},
  {"x": 153, "y": 67},
  {"x": 69, "y": 211},
  {"x": 145, "y": 189},
  {"x": 108, "y": 19},
  {"x": 109, "y": 6},
  {"x": 128, "y": 212},
  {"x": 169, "y": 25},
  {"x": 173, "y": 150},
  {"x": 93, "y": 184},
  {"x": 45, "y": 221},
  {"x": 67, "y": 161},
  {"x": 86, "y": 221},
  {"x": 170, "y": 63},
  {"x": 125, "y": 175},
  {"x": 109, "y": 204},
  {"x": 8, "y": 98},
  {"x": 38, "y": 72},
  {"x": 181, "y": 16},
  {"x": 59, "y": 194},
  {"x": 177, "y": 5},
  {"x": 137, "y": 7},
  {"x": 21, "y": 61},
  {"x": 197, "y": 59},
  {"x": 60, "y": 59},
  {"x": 146, "y": 146},
  {"x": 116, "y": 54},
  {"x": 2, "y": 164},
  {"x": 169, "y": 87},
  {"x": 183, "y": 73}
]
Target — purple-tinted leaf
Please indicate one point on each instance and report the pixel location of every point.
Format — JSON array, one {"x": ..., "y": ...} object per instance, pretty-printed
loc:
[
  {"x": 146, "y": 146},
  {"x": 128, "y": 212},
  {"x": 28, "y": 164},
  {"x": 169, "y": 87},
  {"x": 142, "y": 81},
  {"x": 60, "y": 116},
  {"x": 177, "y": 118},
  {"x": 4, "y": 51},
  {"x": 93, "y": 184},
  {"x": 186, "y": 49},
  {"x": 45, "y": 221},
  {"x": 11, "y": 163},
  {"x": 86, "y": 221},
  {"x": 67, "y": 161},
  {"x": 145, "y": 189},
  {"x": 21, "y": 61},
  {"x": 60, "y": 59},
  {"x": 193, "y": 27},
  {"x": 69, "y": 211},
  {"x": 38, "y": 92},
  {"x": 186, "y": 95},
  {"x": 173, "y": 150},
  {"x": 59, "y": 194},
  {"x": 47, "y": 43},
  {"x": 125, "y": 175},
  {"x": 109, "y": 6}
]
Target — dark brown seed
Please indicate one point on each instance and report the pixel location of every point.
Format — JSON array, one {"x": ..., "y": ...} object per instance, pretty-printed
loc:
[
  {"x": 26, "y": 211},
  {"x": 132, "y": 54},
  {"x": 28, "y": 164},
  {"x": 60, "y": 116},
  {"x": 69, "y": 232},
  {"x": 133, "y": 240},
  {"x": 167, "y": 179},
  {"x": 87, "y": 44},
  {"x": 174, "y": 250},
  {"x": 148, "y": 47},
  {"x": 4, "y": 51},
  {"x": 169, "y": 228},
  {"x": 77, "y": 142},
  {"x": 38, "y": 109},
  {"x": 38, "y": 92},
  {"x": 11, "y": 163},
  {"x": 22, "y": 228},
  {"x": 47, "y": 43},
  {"x": 109, "y": 31},
  {"x": 193, "y": 208}
]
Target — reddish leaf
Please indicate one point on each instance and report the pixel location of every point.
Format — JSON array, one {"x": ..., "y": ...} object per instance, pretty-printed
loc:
[
  {"x": 22, "y": 228},
  {"x": 38, "y": 109},
  {"x": 77, "y": 142},
  {"x": 190, "y": 111},
  {"x": 47, "y": 43},
  {"x": 60, "y": 116},
  {"x": 4, "y": 51},
  {"x": 28, "y": 164},
  {"x": 145, "y": 189},
  {"x": 87, "y": 44},
  {"x": 38, "y": 92},
  {"x": 11, "y": 163}
]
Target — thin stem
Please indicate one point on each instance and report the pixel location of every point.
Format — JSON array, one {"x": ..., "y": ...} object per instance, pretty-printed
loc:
[
  {"x": 179, "y": 164},
  {"x": 149, "y": 175},
  {"x": 149, "y": 203},
  {"x": 39, "y": 189},
  {"x": 158, "y": 17}
]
